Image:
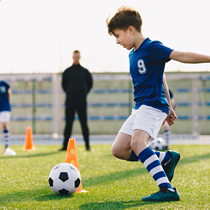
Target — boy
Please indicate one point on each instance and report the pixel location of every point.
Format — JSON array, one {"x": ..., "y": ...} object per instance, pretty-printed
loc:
[
  {"x": 152, "y": 100},
  {"x": 5, "y": 97}
]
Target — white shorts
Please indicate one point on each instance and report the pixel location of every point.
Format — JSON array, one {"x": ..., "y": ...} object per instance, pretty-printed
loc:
[
  {"x": 166, "y": 124},
  {"x": 145, "y": 118},
  {"x": 4, "y": 116}
]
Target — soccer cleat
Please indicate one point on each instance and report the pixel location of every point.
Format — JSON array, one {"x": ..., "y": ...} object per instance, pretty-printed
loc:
[
  {"x": 9, "y": 151},
  {"x": 164, "y": 194},
  {"x": 170, "y": 166}
]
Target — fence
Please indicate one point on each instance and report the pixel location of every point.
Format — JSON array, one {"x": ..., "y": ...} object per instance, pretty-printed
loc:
[{"x": 38, "y": 100}]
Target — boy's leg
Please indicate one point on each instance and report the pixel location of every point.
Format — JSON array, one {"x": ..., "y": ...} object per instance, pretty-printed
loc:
[
  {"x": 148, "y": 157},
  {"x": 167, "y": 133},
  {"x": 169, "y": 161},
  {"x": 6, "y": 138},
  {"x": 150, "y": 160},
  {"x": 6, "y": 134},
  {"x": 121, "y": 147},
  {"x": 5, "y": 118}
]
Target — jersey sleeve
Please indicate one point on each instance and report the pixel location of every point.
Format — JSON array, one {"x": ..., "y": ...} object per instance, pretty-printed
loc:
[
  {"x": 159, "y": 52},
  {"x": 6, "y": 85}
]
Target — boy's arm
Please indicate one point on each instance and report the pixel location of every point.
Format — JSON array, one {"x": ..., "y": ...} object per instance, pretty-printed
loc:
[
  {"x": 189, "y": 57},
  {"x": 172, "y": 115}
]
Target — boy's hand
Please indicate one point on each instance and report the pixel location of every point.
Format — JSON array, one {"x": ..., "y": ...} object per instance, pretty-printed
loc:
[{"x": 170, "y": 119}]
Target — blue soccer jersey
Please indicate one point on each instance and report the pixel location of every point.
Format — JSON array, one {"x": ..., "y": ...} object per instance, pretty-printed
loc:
[
  {"x": 4, "y": 98},
  {"x": 147, "y": 65}
]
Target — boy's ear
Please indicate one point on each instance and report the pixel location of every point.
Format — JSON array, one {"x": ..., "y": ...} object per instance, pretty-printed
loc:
[{"x": 131, "y": 29}]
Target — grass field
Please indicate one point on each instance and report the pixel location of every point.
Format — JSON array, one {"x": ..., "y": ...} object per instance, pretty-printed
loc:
[{"x": 111, "y": 183}]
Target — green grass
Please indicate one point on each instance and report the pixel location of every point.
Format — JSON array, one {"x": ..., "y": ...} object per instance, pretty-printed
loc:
[{"x": 111, "y": 183}]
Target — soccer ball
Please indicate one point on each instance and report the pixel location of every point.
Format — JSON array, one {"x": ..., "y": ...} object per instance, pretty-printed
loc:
[
  {"x": 64, "y": 179},
  {"x": 158, "y": 144}
]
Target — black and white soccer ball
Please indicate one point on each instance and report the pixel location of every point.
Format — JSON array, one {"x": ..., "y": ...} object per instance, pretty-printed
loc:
[
  {"x": 158, "y": 144},
  {"x": 64, "y": 179}
]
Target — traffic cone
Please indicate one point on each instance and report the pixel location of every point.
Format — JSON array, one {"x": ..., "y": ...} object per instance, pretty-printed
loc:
[
  {"x": 29, "y": 145},
  {"x": 71, "y": 157}
]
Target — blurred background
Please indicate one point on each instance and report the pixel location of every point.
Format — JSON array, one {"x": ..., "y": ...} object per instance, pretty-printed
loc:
[{"x": 36, "y": 45}]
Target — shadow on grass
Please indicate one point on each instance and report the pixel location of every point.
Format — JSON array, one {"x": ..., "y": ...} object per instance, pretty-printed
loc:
[
  {"x": 99, "y": 180},
  {"x": 120, "y": 175},
  {"x": 193, "y": 159},
  {"x": 115, "y": 205},
  {"x": 29, "y": 155},
  {"x": 45, "y": 194},
  {"x": 111, "y": 205},
  {"x": 53, "y": 196}
]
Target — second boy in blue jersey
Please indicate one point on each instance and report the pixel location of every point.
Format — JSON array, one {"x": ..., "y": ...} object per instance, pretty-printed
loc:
[
  {"x": 152, "y": 100},
  {"x": 5, "y": 109}
]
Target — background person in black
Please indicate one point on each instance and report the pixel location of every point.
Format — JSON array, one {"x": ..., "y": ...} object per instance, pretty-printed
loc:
[{"x": 76, "y": 82}]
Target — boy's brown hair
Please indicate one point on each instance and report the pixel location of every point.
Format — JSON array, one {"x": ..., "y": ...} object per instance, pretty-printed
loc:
[{"x": 123, "y": 18}]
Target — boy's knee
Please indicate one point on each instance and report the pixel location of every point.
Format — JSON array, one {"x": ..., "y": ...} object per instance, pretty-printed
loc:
[
  {"x": 138, "y": 144},
  {"x": 115, "y": 151},
  {"x": 134, "y": 143},
  {"x": 5, "y": 126}
]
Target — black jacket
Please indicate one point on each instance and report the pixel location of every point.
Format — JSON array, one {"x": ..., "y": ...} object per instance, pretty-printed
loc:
[{"x": 76, "y": 82}]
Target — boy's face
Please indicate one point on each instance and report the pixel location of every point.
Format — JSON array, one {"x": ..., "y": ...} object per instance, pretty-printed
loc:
[{"x": 124, "y": 38}]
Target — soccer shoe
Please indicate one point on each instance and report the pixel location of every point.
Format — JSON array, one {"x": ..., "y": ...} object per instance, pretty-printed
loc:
[
  {"x": 9, "y": 151},
  {"x": 164, "y": 194},
  {"x": 170, "y": 166}
]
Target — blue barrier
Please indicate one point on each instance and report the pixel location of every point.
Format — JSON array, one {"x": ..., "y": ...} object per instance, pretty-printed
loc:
[
  {"x": 99, "y": 91},
  {"x": 26, "y": 79},
  {"x": 183, "y": 90},
  {"x": 29, "y": 105},
  {"x": 97, "y": 117},
  {"x": 28, "y": 118},
  {"x": 16, "y": 91},
  {"x": 123, "y": 104}
]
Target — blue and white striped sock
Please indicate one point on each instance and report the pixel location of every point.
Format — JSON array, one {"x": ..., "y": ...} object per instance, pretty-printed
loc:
[
  {"x": 164, "y": 157},
  {"x": 153, "y": 166},
  {"x": 6, "y": 138},
  {"x": 167, "y": 134}
]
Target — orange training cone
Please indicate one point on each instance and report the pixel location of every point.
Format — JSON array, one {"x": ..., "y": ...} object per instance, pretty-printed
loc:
[
  {"x": 29, "y": 139},
  {"x": 71, "y": 157}
]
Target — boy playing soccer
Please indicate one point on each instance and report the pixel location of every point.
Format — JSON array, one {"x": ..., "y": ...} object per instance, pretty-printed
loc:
[
  {"x": 5, "y": 97},
  {"x": 152, "y": 100}
]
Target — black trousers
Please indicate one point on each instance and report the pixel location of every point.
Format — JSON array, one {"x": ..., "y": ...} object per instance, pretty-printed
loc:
[{"x": 81, "y": 110}]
